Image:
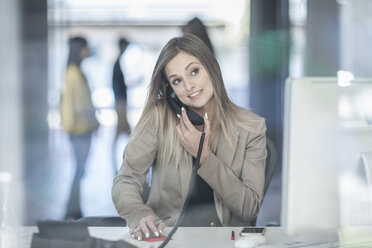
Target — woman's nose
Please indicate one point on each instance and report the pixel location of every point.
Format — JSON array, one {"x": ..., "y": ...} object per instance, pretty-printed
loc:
[{"x": 189, "y": 84}]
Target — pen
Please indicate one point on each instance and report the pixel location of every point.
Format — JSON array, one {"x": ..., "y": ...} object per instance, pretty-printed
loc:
[
  {"x": 160, "y": 220},
  {"x": 157, "y": 222}
]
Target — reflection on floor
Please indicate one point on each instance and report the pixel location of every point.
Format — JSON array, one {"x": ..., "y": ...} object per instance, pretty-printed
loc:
[{"x": 48, "y": 184}]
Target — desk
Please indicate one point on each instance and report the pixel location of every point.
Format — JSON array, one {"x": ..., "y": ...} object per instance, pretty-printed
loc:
[{"x": 216, "y": 237}]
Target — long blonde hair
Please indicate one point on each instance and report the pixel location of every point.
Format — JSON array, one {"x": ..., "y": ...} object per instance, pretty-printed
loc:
[{"x": 157, "y": 112}]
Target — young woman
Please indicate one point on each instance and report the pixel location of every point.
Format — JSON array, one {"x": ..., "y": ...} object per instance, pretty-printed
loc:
[
  {"x": 78, "y": 118},
  {"x": 230, "y": 181}
]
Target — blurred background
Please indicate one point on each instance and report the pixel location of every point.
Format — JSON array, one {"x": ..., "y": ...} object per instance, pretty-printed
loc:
[{"x": 258, "y": 43}]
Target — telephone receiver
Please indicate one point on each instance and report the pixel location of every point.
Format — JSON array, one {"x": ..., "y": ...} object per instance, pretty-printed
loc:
[{"x": 176, "y": 105}]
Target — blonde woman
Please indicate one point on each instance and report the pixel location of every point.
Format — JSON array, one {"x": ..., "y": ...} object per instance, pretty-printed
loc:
[
  {"x": 230, "y": 181},
  {"x": 78, "y": 118}
]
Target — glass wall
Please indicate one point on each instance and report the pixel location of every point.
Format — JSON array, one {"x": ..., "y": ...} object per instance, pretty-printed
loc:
[{"x": 147, "y": 25}]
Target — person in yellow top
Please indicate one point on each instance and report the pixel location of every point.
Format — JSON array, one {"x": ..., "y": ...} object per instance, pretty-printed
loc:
[{"x": 78, "y": 118}]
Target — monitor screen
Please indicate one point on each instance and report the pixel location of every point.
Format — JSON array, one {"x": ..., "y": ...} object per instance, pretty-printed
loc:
[{"x": 319, "y": 117}]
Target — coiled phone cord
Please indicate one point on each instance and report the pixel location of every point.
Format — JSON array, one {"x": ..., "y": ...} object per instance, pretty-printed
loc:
[{"x": 195, "y": 168}]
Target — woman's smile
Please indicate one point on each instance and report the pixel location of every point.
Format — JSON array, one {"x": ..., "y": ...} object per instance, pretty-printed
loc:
[{"x": 196, "y": 95}]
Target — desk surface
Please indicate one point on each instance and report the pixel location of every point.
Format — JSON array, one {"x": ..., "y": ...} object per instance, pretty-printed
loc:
[{"x": 217, "y": 237}]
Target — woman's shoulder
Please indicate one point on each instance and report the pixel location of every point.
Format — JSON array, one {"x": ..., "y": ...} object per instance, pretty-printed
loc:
[
  {"x": 253, "y": 116},
  {"x": 72, "y": 68},
  {"x": 149, "y": 122},
  {"x": 250, "y": 121},
  {"x": 73, "y": 71}
]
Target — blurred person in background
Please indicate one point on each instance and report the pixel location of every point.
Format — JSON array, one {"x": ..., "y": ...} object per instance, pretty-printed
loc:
[
  {"x": 78, "y": 118},
  {"x": 120, "y": 92},
  {"x": 196, "y": 27}
]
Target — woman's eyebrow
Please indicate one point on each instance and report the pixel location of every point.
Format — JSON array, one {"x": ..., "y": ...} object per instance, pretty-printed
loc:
[
  {"x": 190, "y": 65},
  {"x": 173, "y": 75}
]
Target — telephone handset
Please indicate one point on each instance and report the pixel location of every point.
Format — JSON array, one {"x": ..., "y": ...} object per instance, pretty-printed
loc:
[{"x": 176, "y": 105}]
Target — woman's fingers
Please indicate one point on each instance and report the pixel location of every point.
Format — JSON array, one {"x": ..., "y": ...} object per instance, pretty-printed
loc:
[
  {"x": 132, "y": 234},
  {"x": 186, "y": 120},
  {"x": 161, "y": 227},
  {"x": 136, "y": 233},
  {"x": 207, "y": 130},
  {"x": 189, "y": 136},
  {"x": 182, "y": 125},
  {"x": 187, "y": 140},
  {"x": 139, "y": 235},
  {"x": 206, "y": 148},
  {"x": 145, "y": 228},
  {"x": 207, "y": 124},
  {"x": 153, "y": 228}
]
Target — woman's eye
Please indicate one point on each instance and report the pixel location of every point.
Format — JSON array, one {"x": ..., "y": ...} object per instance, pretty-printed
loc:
[
  {"x": 194, "y": 72},
  {"x": 176, "y": 81}
]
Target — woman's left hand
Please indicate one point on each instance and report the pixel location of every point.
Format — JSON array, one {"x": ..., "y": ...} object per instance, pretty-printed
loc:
[{"x": 189, "y": 136}]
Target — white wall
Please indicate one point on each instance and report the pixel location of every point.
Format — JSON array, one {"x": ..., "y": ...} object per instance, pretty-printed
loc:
[
  {"x": 356, "y": 37},
  {"x": 11, "y": 158}
]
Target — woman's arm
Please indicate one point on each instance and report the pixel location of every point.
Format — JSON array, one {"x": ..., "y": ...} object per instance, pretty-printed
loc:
[
  {"x": 240, "y": 190},
  {"x": 128, "y": 184}
]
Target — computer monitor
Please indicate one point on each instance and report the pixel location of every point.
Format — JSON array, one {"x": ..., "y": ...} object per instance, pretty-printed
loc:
[{"x": 319, "y": 116}]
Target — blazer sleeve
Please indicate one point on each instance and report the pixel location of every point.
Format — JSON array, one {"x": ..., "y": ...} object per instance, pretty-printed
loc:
[
  {"x": 241, "y": 190},
  {"x": 128, "y": 185}
]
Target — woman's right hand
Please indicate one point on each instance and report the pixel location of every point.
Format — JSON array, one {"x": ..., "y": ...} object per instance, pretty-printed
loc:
[
  {"x": 147, "y": 228},
  {"x": 189, "y": 135}
]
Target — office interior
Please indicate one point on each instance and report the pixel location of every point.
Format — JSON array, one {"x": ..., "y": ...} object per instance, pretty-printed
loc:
[{"x": 258, "y": 43}]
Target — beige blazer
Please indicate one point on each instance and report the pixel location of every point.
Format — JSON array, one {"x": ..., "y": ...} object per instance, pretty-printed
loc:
[{"x": 235, "y": 173}]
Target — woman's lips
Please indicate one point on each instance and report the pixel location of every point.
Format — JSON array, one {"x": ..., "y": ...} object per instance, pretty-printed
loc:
[{"x": 195, "y": 95}]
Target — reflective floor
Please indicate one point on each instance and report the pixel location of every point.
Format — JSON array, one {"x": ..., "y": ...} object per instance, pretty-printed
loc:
[{"x": 48, "y": 185}]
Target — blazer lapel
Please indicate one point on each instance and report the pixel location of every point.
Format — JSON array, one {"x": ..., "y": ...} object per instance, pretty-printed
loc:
[
  {"x": 185, "y": 172},
  {"x": 225, "y": 152}
]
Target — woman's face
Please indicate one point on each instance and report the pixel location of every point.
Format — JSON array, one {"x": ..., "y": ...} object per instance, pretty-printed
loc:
[
  {"x": 85, "y": 52},
  {"x": 190, "y": 81}
]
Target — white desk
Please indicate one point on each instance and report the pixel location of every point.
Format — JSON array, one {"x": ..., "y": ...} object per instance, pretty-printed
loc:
[{"x": 216, "y": 237}]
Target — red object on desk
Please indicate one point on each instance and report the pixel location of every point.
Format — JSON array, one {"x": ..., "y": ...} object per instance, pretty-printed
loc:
[
  {"x": 155, "y": 239},
  {"x": 232, "y": 235}
]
